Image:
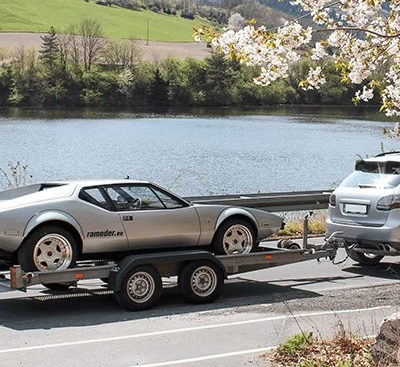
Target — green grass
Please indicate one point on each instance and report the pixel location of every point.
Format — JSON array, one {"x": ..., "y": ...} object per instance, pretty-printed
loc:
[{"x": 39, "y": 15}]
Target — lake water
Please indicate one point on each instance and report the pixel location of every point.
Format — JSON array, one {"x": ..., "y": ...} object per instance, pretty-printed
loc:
[{"x": 195, "y": 153}]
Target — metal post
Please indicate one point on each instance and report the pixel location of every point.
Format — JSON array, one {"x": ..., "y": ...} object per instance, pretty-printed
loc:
[
  {"x": 148, "y": 32},
  {"x": 305, "y": 232}
]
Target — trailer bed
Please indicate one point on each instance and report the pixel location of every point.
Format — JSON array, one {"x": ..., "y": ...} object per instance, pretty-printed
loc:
[{"x": 168, "y": 265}]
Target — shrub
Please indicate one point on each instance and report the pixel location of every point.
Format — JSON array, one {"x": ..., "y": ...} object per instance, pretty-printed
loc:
[{"x": 187, "y": 15}]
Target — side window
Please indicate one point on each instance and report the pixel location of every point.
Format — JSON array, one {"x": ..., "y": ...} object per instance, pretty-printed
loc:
[
  {"x": 169, "y": 201},
  {"x": 94, "y": 196},
  {"x": 127, "y": 198}
]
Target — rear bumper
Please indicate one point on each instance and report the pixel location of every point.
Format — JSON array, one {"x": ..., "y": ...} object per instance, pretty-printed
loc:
[{"x": 366, "y": 235}]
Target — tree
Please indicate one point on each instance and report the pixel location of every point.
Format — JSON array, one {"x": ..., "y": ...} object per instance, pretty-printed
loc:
[
  {"x": 361, "y": 37},
  {"x": 158, "y": 90},
  {"x": 49, "y": 53},
  {"x": 221, "y": 77},
  {"x": 236, "y": 22},
  {"x": 122, "y": 54},
  {"x": 91, "y": 41},
  {"x": 69, "y": 48}
]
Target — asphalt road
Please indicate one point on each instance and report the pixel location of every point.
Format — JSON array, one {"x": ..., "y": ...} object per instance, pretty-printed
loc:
[{"x": 255, "y": 312}]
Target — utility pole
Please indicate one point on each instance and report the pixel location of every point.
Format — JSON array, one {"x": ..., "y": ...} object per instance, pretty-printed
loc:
[{"x": 148, "y": 32}]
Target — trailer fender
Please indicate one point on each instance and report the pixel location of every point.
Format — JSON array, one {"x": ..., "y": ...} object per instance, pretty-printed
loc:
[{"x": 130, "y": 262}]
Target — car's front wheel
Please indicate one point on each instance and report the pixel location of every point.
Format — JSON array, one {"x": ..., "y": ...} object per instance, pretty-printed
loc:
[
  {"x": 363, "y": 258},
  {"x": 49, "y": 248},
  {"x": 234, "y": 236}
]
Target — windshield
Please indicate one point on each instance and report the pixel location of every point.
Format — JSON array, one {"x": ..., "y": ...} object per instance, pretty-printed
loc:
[{"x": 374, "y": 175}]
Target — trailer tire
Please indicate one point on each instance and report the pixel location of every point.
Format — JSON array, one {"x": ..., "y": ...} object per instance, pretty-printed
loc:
[
  {"x": 226, "y": 243},
  {"x": 362, "y": 258},
  {"x": 140, "y": 289},
  {"x": 201, "y": 281}
]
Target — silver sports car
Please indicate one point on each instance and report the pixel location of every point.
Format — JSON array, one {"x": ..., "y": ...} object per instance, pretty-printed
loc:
[{"x": 52, "y": 225}]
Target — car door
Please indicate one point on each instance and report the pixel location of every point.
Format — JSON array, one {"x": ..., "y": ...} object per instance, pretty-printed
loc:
[
  {"x": 101, "y": 225},
  {"x": 153, "y": 218}
]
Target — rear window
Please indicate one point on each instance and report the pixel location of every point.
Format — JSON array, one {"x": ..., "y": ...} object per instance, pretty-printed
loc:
[
  {"x": 93, "y": 195},
  {"x": 374, "y": 175}
]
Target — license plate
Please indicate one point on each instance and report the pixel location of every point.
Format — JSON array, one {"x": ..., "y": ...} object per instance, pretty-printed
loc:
[{"x": 355, "y": 209}]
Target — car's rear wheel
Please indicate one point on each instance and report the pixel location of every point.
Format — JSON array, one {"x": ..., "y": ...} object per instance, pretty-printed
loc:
[
  {"x": 49, "y": 248},
  {"x": 363, "y": 258},
  {"x": 234, "y": 236}
]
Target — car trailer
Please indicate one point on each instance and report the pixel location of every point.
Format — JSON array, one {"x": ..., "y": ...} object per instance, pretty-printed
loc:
[{"x": 136, "y": 280}]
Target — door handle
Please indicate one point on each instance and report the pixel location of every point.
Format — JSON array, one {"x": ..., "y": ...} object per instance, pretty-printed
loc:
[{"x": 127, "y": 218}]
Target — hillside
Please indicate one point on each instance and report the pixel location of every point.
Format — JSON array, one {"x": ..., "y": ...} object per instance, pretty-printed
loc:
[{"x": 117, "y": 22}]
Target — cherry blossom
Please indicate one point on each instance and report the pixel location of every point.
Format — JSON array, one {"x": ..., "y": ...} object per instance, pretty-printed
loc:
[{"x": 362, "y": 38}]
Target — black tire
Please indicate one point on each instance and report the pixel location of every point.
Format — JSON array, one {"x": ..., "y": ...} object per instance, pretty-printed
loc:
[
  {"x": 218, "y": 243},
  {"x": 151, "y": 279},
  {"x": 26, "y": 252},
  {"x": 190, "y": 276},
  {"x": 363, "y": 259}
]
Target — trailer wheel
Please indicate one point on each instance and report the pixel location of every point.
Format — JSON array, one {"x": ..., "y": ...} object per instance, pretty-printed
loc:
[
  {"x": 363, "y": 258},
  {"x": 140, "y": 289},
  {"x": 201, "y": 281}
]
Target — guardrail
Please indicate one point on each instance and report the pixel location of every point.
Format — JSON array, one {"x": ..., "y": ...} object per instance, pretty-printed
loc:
[{"x": 271, "y": 202}]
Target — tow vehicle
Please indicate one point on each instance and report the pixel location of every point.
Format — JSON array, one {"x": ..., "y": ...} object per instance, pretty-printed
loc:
[{"x": 136, "y": 280}]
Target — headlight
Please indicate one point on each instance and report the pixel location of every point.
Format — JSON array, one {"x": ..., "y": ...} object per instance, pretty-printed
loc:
[
  {"x": 332, "y": 200},
  {"x": 388, "y": 202}
]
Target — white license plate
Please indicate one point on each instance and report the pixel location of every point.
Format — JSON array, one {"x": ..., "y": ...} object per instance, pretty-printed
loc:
[{"x": 355, "y": 209}]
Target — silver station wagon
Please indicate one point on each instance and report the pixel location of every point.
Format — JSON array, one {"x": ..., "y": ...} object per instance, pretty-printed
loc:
[
  {"x": 52, "y": 225},
  {"x": 366, "y": 208}
]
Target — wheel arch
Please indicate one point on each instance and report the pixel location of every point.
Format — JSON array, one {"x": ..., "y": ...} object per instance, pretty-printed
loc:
[
  {"x": 237, "y": 213},
  {"x": 57, "y": 218}
]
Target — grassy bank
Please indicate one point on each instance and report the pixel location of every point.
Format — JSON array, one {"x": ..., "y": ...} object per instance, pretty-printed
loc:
[
  {"x": 117, "y": 22},
  {"x": 294, "y": 226},
  {"x": 305, "y": 350}
]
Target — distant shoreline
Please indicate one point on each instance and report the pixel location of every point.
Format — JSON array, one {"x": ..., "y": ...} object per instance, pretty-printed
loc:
[
  {"x": 153, "y": 52},
  {"x": 369, "y": 112}
]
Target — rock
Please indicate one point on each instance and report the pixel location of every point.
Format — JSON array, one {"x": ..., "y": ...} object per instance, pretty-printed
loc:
[{"x": 386, "y": 350}]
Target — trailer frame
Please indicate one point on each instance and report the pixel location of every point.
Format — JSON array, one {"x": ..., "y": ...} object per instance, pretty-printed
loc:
[{"x": 201, "y": 274}]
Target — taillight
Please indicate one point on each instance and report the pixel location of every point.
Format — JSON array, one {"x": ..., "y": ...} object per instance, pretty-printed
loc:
[
  {"x": 332, "y": 200},
  {"x": 388, "y": 202}
]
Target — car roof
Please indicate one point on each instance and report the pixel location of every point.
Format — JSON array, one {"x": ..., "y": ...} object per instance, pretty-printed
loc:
[
  {"x": 84, "y": 183},
  {"x": 385, "y": 157}
]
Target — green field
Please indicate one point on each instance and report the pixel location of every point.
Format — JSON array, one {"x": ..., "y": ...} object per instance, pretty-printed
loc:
[{"x": 39, "y": 15}]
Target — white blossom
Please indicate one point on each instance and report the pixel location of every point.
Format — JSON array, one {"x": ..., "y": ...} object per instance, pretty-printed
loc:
[
  {"x": 125, "y": 81},
  {"x": 315, "y": 78},
  {"x": 365, "y": 95},
  {"x": 361, "y": 36},
  {"x": 319, "y": 52}
]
